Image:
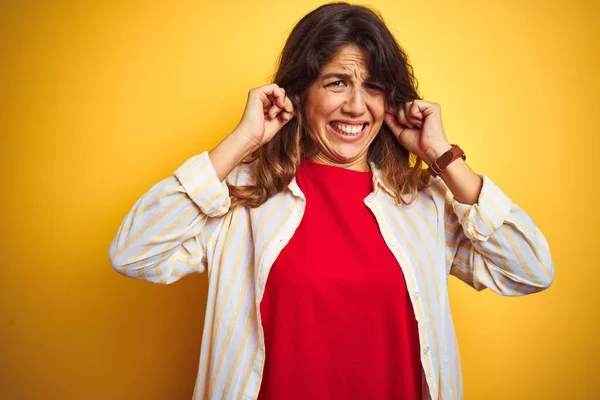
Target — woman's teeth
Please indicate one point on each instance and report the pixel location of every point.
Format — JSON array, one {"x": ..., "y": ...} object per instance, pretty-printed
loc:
[{"x": 350, "y": 130}]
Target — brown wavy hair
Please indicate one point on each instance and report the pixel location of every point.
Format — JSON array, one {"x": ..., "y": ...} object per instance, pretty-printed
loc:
[{"x": 313, "y": 42}]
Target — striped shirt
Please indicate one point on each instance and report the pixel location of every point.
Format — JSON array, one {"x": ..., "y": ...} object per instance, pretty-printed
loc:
[{"x": 184, "y": 224}]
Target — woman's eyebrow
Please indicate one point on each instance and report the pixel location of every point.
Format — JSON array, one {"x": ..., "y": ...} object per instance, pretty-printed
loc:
[
  {"x": 340, "y": 75},
  {"x": 337, "y": 75}
]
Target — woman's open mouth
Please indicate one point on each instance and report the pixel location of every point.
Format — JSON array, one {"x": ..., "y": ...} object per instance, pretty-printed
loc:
[{"x": 348, "y": 132}]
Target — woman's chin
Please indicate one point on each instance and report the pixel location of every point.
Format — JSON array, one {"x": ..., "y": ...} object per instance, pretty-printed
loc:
[{"x": 348, "y": 155}]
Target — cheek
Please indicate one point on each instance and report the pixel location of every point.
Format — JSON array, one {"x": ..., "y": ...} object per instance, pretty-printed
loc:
[
  {"x": 377, "y": 109},
  {"x": 323, "y": 104},
  {"x": 330, "y": 104}
]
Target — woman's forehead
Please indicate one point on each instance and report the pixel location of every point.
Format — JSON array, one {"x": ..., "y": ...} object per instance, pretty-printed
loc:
[{"x": 350, "y": 60}]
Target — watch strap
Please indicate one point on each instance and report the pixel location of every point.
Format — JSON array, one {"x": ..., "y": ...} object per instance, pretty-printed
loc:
[{"x": 442, "y": 162}]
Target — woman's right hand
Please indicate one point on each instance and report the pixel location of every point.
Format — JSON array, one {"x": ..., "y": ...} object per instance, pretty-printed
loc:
[{"x": 268, "y": 109}]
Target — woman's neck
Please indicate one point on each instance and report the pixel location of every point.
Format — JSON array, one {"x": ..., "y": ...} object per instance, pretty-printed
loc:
[{"x": 359, "y": 164}]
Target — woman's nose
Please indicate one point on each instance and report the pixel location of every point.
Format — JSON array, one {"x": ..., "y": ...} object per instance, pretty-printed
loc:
[{"x": 354, "y": 103}]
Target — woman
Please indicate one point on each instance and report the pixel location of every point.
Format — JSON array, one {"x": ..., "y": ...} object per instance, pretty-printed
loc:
[{"x": 327, "y": 244}]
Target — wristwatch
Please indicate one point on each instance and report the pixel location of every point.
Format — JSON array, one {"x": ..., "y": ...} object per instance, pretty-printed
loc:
[{"x": 439, "y": 165}]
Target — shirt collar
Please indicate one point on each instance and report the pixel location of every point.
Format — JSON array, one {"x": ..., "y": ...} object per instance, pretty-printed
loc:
[
  {"x": 378, "y": 181},
  {"x": 295, "y": 189}
]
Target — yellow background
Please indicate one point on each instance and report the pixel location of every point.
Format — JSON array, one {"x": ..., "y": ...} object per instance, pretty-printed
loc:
[{"x": 99, "y": 101}]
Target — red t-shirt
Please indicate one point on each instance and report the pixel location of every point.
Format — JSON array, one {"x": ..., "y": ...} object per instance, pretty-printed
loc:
[{"x": 337, "y": 317}]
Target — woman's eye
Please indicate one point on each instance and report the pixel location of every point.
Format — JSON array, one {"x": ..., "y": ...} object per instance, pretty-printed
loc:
[
  {"x": 374, "y": 87},
  {"x": 337, "y": 84},
  {"x": 341, "y": 84}
]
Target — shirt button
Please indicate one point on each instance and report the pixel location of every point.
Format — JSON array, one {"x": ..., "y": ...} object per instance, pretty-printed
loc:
[
  {"x": 393, "y": 242},
  {"x": 426, "y": 350},
  {"x": 416, "y": 294}
]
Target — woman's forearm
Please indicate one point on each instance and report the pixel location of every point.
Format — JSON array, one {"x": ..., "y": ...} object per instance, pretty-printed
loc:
[
  {"x": 464, "y": 184},
  {"x": 230, "y": 152}
]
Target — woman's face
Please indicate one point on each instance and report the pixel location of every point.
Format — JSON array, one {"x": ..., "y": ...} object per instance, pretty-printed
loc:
[{"x": 344, "y": 109}]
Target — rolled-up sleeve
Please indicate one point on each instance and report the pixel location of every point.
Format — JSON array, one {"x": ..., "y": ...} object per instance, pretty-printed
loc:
[
  {"x": 494, "y": 244},
  {"x": 164, "y": 235}
]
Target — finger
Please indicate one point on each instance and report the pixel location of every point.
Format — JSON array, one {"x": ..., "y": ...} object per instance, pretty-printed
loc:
[
  {"x": 279, "y": 104},
  {"x": 282, "y": 98},
  {"x": 279, "y": 97},
  {"x": 413, "y": 114},
  {"x": 285, "y": 116},
  {"x": 267, "y": 101},
  {"x": 268, "y": 94},
  {"x": 273, "y": 111},
  {"x": 407, "y": 107},
  {"x": 274, "y": 92},
  {"x": 415, "y": 111},
  {"x": 402, "y": 117},
  {"x": 269, "y": 89},
  {"x": 270, "y": 107},
  {"x": 426, "y": 108},
  {"x": 288, "y": 106}
]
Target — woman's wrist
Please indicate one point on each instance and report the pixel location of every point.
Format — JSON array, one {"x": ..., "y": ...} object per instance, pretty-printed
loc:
[
  {"x": 230, "y": 152},
  {"x": 435, "y": 151},
  {"x": 245, "y": 143}
]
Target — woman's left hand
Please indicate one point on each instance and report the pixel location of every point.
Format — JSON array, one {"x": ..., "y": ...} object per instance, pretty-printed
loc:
[{"x": 418, "y": 127}]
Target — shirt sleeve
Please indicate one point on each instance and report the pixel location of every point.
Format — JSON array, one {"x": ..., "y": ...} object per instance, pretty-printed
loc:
[
  {"x": 166, "y": 233},
  {"x": 494, "y": 244}
]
